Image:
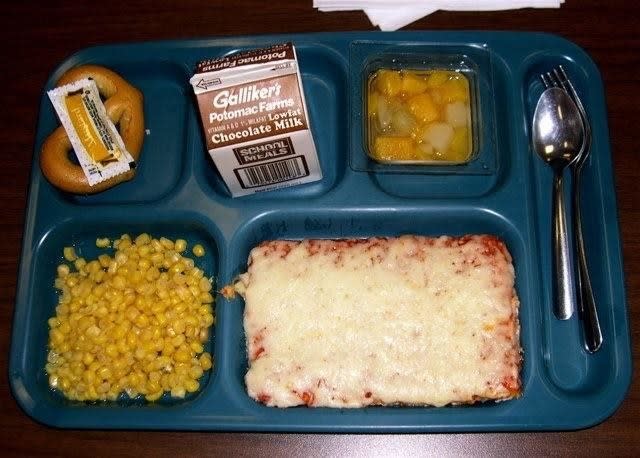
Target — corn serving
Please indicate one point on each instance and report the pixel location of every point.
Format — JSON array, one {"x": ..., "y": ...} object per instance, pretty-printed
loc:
[{"x": 133, "y": 322}]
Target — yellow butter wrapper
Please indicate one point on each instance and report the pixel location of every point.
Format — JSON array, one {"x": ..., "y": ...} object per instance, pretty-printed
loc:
[
  {"x": 86, "y": 128},
  {"x": 94, "y": 138}
]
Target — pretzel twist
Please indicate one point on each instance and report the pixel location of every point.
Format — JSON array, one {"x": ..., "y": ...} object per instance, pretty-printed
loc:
[{"x": 123, "y": 104}]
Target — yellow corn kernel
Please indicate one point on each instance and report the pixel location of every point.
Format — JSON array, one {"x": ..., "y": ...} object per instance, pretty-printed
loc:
[
  {"x": 53, "y": 322},
  {"x": 156, "y": 246},
  {"x": 198, "y": 250},
  {"x": 206, "y": 297},
  {"x": 205, "y": 361},
  {"x": 178, "y": 340},
  {"x": 56, "y": 337},
  {"x": 111, "y": 350},
  {"x": 69, "y": 253},
  {"x": 205, "y": 285},
  {"x": 180, "y": 245},
  {"x": 181, "y": 356},
  {"x": 64, "y": 327},
  {"x": 197, "y": 347},
  {"x": 121, "y": 258},
  {"x": 92, "y": 331},
  {"x": 142, "y": 321},
  {"x": 156, "y": 258},
  {"x": 64, "y": 384},
  {"x": 142, "y": 239},
  {"x": 191, "y": 385},
  {"x": 88, "y": 358},
  {"x": 80, "y": 263},
  {"x": 132, "y": 313},
  {"x": 144, "y": 251},
  {"x": 208, "y": 320},
  {"x": 195, "y": 372},
  {"x": 63, "y": 270},
  {"x": 154, "y": 396},
  {"x": 104, "y": 373},
  {"x": 178, "y": 392},
  {"x": 166, "y": 243},
  {"x": 131, "y": 340},
  {"x": 103, "y": 242}
]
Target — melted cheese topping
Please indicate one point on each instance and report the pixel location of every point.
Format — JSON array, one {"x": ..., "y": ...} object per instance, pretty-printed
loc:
[{"x": 408, "y": 320}]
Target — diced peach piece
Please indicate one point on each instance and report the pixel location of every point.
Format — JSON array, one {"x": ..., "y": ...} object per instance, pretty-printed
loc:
[
  {"x": 437, "y": 78},
  {"x": 455, "y": 90},
  {"x": 459, "y": 146},
  {"x": 394, "y": 148},
  {"x": 412, "y": 84},
  {"x": 423, "y": 108},
  {"x": 389, "y": 82}
]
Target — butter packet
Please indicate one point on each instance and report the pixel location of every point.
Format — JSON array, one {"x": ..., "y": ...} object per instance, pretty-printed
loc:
[{"x": 94, "y": 138}]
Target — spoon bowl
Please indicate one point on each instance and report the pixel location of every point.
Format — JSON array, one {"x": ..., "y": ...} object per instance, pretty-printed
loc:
[
  {"x": 558, "y": 131},
  {"x": 557, "y": 136}
]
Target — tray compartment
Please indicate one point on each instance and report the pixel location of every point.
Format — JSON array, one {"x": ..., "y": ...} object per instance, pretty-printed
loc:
[
  {"x": 324, "y": 82},
  {"x": 161, "y": 165},
  {"x": 361, "y": 222},
  {"x": 34, "y": 393},
  {"x": 568, "y": 365}
]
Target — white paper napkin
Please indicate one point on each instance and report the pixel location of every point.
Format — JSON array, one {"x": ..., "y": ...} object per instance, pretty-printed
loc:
[{"x": 392, "y": 15}]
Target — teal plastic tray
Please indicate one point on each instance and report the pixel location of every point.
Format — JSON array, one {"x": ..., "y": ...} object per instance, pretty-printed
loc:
[{"x": 177, "y": 192}]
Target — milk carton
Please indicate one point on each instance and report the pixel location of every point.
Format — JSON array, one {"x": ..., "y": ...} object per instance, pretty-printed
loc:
[{"x": 255, "y": 119}]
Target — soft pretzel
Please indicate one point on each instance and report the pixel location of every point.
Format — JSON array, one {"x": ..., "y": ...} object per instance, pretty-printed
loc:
[{"x": 123, "y": 103}]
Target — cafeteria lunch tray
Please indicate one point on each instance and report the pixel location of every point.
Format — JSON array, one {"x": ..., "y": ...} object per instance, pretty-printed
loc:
[{"x": 177, "y": 192}]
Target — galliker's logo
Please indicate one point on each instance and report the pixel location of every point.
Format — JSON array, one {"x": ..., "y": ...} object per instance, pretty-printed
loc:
[{"x": 257, "y": 152}]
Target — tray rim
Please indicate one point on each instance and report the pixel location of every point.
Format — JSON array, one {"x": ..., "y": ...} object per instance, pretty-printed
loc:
[{"x": 25, "y": 257}]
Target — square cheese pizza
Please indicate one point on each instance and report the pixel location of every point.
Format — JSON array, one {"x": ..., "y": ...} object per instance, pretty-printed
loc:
[{"x": 409, "y": 320}]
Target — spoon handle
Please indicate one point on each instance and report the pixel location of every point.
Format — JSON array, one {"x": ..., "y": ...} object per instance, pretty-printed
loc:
[
  {"x": 563, "y": 278},
  {"x": 584, "y": 291}
]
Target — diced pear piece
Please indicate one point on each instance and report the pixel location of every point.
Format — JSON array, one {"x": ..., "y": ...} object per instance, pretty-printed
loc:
[
  {"x": 457, "y": 114},
  {"x": 385, "y": 114},
  {"x": 426, "y": 152},
  {"x": 439, "y": 134},
  {"x": 402, "y": 123}
]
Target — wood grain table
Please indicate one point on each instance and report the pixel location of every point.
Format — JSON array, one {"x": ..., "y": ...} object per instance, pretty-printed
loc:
[{"x": 37, "y": 35}]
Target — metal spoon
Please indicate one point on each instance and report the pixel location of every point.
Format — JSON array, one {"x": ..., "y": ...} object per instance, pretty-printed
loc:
[{"x": 557, "y": 136}]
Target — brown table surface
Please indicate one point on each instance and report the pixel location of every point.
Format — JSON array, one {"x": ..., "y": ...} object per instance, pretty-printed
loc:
[{"x": 38, "y": 35}]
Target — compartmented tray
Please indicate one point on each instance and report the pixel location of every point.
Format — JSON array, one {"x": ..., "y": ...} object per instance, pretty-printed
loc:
[{"x": 177, "y": 192}]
